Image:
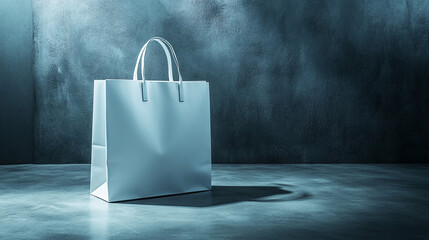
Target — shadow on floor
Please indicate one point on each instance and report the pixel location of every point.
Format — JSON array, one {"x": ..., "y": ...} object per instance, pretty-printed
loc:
[{"x": 220, "y": 195}]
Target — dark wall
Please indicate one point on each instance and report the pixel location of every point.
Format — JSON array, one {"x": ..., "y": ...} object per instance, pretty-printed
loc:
[
  {"x": 16, "y": 83},
  {"x": 291, "y": 81}
]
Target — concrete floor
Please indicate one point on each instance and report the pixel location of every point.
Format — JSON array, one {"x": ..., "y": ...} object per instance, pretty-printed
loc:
[{"x": 247, "y": 202}]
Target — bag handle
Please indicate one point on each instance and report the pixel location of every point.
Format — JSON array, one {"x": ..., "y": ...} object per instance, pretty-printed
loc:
[
  {"x": 167, "y": 54},
  {"x": 141, "y": 56}
]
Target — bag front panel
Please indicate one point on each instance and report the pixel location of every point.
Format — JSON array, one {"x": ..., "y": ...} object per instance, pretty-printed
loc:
[{"x": 158, "y": 147}]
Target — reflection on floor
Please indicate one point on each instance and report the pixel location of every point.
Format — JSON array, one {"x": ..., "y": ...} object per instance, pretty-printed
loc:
[{"x": 246, "y": 202}]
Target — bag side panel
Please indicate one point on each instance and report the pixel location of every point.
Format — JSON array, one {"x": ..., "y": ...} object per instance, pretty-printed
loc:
[{"x": 98, "y": 153}]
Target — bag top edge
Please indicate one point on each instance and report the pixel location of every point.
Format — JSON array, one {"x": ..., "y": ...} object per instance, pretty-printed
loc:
[{"x": 149, "y": 80}]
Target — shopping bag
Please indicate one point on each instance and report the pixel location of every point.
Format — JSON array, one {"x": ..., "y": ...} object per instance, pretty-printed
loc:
[{"x": 150, "y": 138}]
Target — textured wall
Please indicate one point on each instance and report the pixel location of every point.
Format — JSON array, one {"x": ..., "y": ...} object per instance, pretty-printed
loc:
[
  {"x": 291, "y": 81},
  {"x": 16, "y": 83}
]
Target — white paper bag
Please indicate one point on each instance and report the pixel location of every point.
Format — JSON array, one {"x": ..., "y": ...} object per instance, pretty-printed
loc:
[{"x": 150, "y": 138}]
